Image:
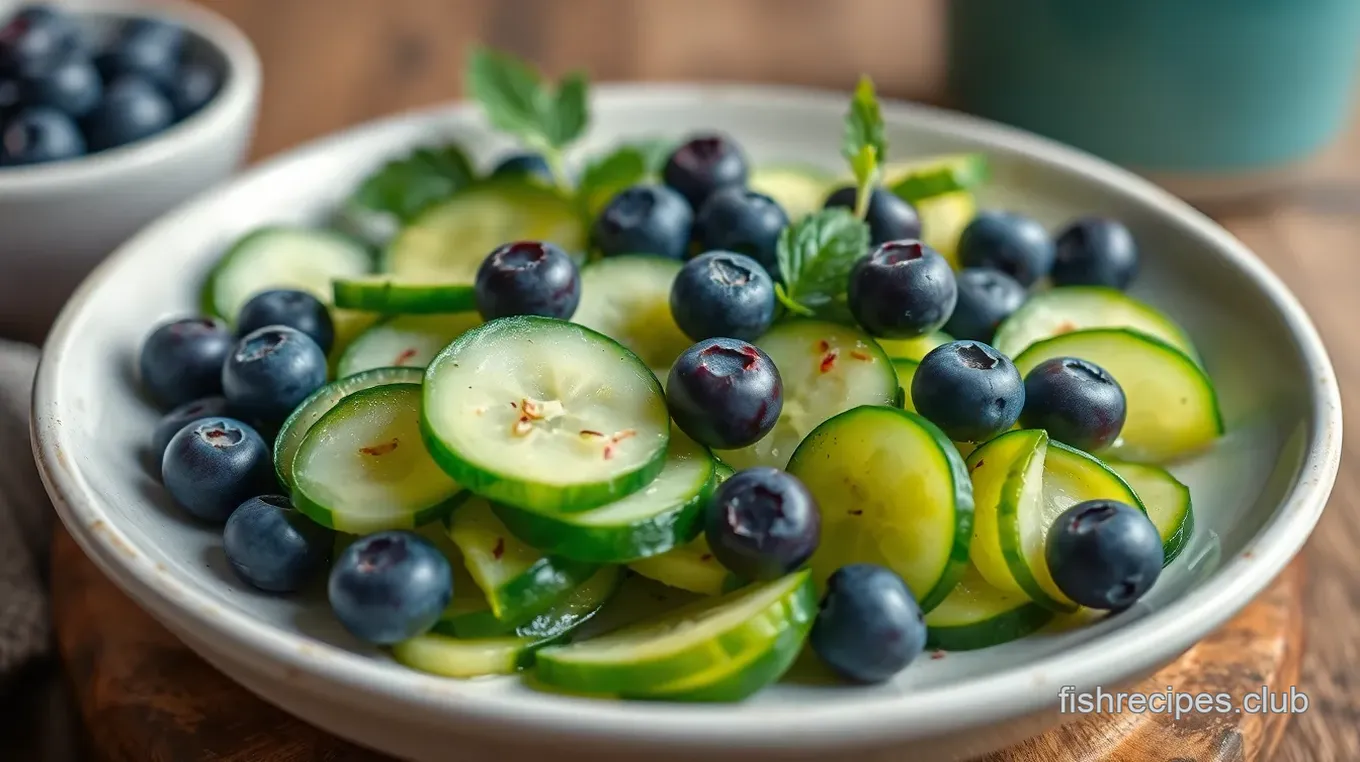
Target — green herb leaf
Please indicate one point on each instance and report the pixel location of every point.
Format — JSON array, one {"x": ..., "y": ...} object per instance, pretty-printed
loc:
[
  {"x": 815, "y": 256},
  {"x": 864, "y": 145},
  {"x": 407, "y": 186},
  {"x": 609, "y": 174},
  {"x": 571, "y": 112},
  {"x": 517, "y": 100}
]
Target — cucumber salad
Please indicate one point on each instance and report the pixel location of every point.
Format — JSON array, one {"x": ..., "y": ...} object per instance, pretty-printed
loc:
[{"x": 849, "y": 414}]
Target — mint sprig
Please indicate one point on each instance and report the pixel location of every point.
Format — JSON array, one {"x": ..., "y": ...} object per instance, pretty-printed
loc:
[
  {"x": 864, "y": 145},
  {"x": 815, "y": 256},
  {"x": 608, "y": 174},
  {"x": 409, "y": 185}
]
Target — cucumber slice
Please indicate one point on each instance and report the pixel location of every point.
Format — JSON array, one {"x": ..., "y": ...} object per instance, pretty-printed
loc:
[
  {"x": 977, "y": 615},
  {"x": 349, "y": 325},
  {"x": 661, "y": 516},
  {"x": 628, "y": 299},
  {"x": 301, "y": 421},
  {"x": 470, "y": 615},
  {"x": 518, "y": 581},
  {"x": 740, "y": 680},
  {"x": 689, "y": 567},
  {"x": 1081, "y": 308},
  {"x": 407, "y": 341},
  {"x": 709, "y": 638},
  {"x": 894, "y": 492},
  {"x": 800, "y": 190},
  {"x": 826, "y": 369},
  {"x": 906, "y": 371},
  {"x": 943, "y": 219},
  {"x": 403, "y": 295},
  {"x": 937, "y": 175},
  {"x": 913, "y": 349},
  {"x": 1167, "y": 501},
  {"x": 282, "y": 257},
  {"x": 362, "y": 467},
  {"x": 1172, "y": 406},
  {"x": 545, "y": 415}
]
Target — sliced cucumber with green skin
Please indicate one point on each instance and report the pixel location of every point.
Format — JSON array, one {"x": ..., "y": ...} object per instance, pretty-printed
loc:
[
  {"x": 663, "y": 515},
  {"x": 799, "y": 190},
  {"x": 943, "y": 219},
  {"x": 977, "y": 615},
  {"x": 913, "y": 349},
  {"x": 312, "y": 409},
  {"x": 1172, "y": 408},
  {"x": 893, "y": 492},
  {"x": 1066, "y": 309},
  {"x": 394, "y": 294},
  {"x": 1167, "y": 501},
  {"x": 362, "y": 467},
  {"x": 709, "y": 638},
  {"x": 407, "y": 341},
  {"x": 689, "y": 567},
  {"x": 545, "y": 415},
  {"x": 279, "y": 257},
  {"x": 519, "y": 582},
  {"x": 906, "y": 371},
  {"x": 937, "y": 175},
  {"x": 826, "y": 369},
  {"x": 470, "y": 615},
  {"x": 628, "y": 299},
  {"x": 739, "y": 681}
]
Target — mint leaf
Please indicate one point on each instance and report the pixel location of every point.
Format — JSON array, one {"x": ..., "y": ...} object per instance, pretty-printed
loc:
[
  {"x": 864, "y": 145},
  {"x": 517, "y": 100},
  {"x": 815, "y": 256},
  {"x": 407, "y": 186},
  {"x": 607, "y": 175},
  {"x": 571, "y": 112}
]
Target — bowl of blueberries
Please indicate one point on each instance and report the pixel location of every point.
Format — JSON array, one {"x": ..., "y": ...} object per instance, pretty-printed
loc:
[{"x": 110, "y": 114}]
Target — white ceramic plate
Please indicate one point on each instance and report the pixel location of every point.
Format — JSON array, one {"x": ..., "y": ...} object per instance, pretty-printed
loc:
[{"x": 1257, "y": 496}]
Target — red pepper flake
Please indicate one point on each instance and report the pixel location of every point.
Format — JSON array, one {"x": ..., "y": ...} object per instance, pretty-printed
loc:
[
  {"x": 515, "y": 405},
  {"x": 828, "y": 361},
  {"x": 499, "y": 550},
  {"x": 862, "y": 357},
  {"x": 618, "y": 437},
  {"x": 380, "y": 449},
  {"x": 405, "y": 355},
  {"x": 823, "y": 346},
  {"x": 1066, "y": 326},
  {"x": 978, "y": 464},
  {"x": 856, "y": 512},
  {"x": 706, "y": 557},
  {"x": 937, "y": 654},
  {"x": 589, "y": 433},
  {"x": 521, "y": 427}
]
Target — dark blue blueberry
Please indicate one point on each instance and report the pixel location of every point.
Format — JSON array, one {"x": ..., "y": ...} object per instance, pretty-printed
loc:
[
  {"x": 968, "y": 389},
  {"x": 9, "y": 97},
  {"x": 869, "y": 627},
  {"x": 762, "y": 523},
  {"x": 190, "y": 412},
  {"x": 214, "y": 464},
  {"x": 986, "y": 297},
  {"x": 132, "y": 109},
  {"x": 1012, "y": 243},
  {"x": 741, "y": 220},
  {"x": 274, "y": 547},
  {"x": 72, "y": 87},
  {"x": 1096, "y": 251},
  {"x": 524, "y": 165},
  {"x": 724, "y": 393},
  {"x": 890, "y": 218},
  {"x": 37, "y": 135},
  {"x": 644, "y": 219},
  {"x": 389, "y": 587},
  {"x": 723, "y": 294},
  {"x": 1077, "y": 402},
  {"x": 702, "y": 165},
  {"x": 37, "y": 38},
  {"x": 1104, "y": 554},
  {"x": 527, "y": 278},
  {"x": 295, "y": 309},
  {"x": 271, "y": 371},
  {"x": 903, "y": 289},
  {"x": 181, "y": 361},
  {"x": 147, "y": 48},
  {"x": 194, "y": 86}
]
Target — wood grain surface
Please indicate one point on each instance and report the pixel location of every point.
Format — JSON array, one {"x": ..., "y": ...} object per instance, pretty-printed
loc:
[{"x": 336, "y": 63}]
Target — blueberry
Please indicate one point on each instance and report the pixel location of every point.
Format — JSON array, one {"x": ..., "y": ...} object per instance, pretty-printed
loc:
[
  {"x": 869, "y": 626},
  {"x": 524, "y": 165},
  {"x": 190, "y": 412},
  {"x": 644, "y": 219},
  {"x": 527, "y": 278},
  {"x": 37, "y": 135},
  {"x": 762, "y": 523},
  {"x": 1104, "y": 554},
  {"x": 1096, "y": 251},
  {"x": 213, "y": 465},
  {"x": 296, "y": 309},
  {"x": 181, "y": 361},
  {"x": 968, "y": 389},
  {"x": 147, "y": 48},
  {"x": 272, "y": 546},
  {"x": 389, "y": 587},
  {"x": 986, "y": 297},
  {"x": 132, "y": 109},
  {"x": 724, "y": 393},
  {"x": 271, "y": 370},
  {"x": 194, "y": 86},
  {"x": 1012, "y": 243},
  {"x": 723, "y": 294},
  {"x": 1077, "y": 402},
  {"x": 10, "y": 91},
  {"x": 72, "y": 87},
  {"x": 903, "y": 289},
  {"x": 702, "y": 165},
  {"x": 890, "y": 218},
  {"x": 741, "y": 220},
  {"x": 37, "y": 38}
]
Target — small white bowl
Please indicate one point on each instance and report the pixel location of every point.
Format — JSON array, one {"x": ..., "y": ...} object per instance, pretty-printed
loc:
[
  {"x": 1257, "y": 496},
  {"x": 60, "y": 219}
]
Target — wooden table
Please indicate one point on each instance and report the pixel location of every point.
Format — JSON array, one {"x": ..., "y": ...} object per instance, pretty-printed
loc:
[{"x": 332, "y": 64}]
